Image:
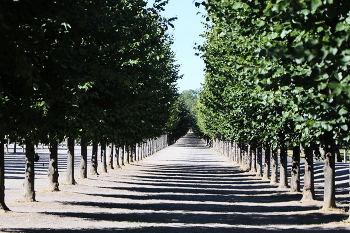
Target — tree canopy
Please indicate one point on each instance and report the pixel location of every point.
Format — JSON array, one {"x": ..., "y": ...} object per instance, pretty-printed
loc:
[
  {"x": 102, "y": 70},
  {"x": 276, "y": 69}
]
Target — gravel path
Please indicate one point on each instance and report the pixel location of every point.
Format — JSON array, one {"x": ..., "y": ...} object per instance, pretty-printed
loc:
[{"x": 186, "y": 187}]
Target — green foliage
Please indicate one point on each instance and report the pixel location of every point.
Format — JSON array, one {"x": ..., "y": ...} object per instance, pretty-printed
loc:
[
  {"x": 184, "y": 114},
  {"x": 103, "y": 70},
  {"x": 276, "y": 71},
  {"x": 191, "y": 100},
  {"x": 180, "y": 120}
]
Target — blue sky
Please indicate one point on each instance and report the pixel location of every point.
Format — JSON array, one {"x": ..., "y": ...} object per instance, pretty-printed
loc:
[{"x": 188, "y": 27}]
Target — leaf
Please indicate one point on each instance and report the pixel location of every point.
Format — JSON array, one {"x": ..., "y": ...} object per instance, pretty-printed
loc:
[
  {"x": 285, "y": 32},
  {"x": 326, "y": 126},
  {"x": 305, "y": 12},
  {"x": 345, "y": 59},
  {"x": 342, "y": 111},
  {"x": 298, "y": 127},
  {"x": 321, "y": 86},
  {"x": 344, "y": 127},
  {"x": 260, "y": 23},
  {"x": 237, "y": 5},
  {"x": 340, "y": 26},
  {"x": 315, "y": 4},
  {"x": 336, "y": 88}
]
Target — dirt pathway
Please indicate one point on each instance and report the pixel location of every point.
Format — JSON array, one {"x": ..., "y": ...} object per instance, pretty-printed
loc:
[{"x": 186, "y": 187}]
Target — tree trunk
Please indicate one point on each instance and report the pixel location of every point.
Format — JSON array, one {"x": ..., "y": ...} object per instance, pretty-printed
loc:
[
  {"x": 117, "y": 151},
  {"x": 241, "y": 155},
  {"x": 123, "y": 155},
  {"x": 110, "y": 156},
  {"x": 231, "y": 150},
  {"x": 28, "y": 186},
  {"x": 329, "y": 172},
  {"x": 283, "y": 168},
  {"x": 244, "y": 155},
  {"x": 274, "y": 167},
  {"x": 234, "y": 150},
  {"x": 7, "y": 145},
  {"x": 338, "y": 155},
  {"x": 70, "y": 161},
  {"x": 52, "y": 171},
  {"x": 134, "y": 151},
  {"x": 83, "y": 158},
  {"x": 259, "y": 172},
  {"x": 267, "y": 165},
  {"x": 142, "y": 150},
  {"x": 248, "y": 161},
  {"x": 104, "y": 157},
  {"x": 345, "y": 155},
  {"x": 309, "y": 189},
  {"x": 15, "y": 147},
  {"x": 295, "y": 174},
  {"x": 253, "y": 159},
  {"x": 93, "y": 170},
  {"x": 238, "y": 153},
  {"x": 3, "y": 206},
  {"x": 137, "y": 154},
  {"x": 127, "y": 154}
]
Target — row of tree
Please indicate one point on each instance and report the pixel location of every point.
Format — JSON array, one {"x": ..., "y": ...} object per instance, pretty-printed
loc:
[
  {"x": 277, "y": 77},
  {"x": 100, "y": 71}
]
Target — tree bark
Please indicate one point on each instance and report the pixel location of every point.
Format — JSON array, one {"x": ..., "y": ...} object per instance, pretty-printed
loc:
[
  {"x": 267, "y": 164},
  {"x": 253, "y": 159},
  {"x": 52, "y": 171},
  {"x": 295, "y": 174},
  {"x": 309, "y": 189},
  {"x": 123, "y": 155},
  {"x": 70, "y": 161},
  {"x": 329, "y": 172},
  {"x": 28, "y": 186},
  {"x": 248, "y": 160},
  {"x": 93, "y": 169},
  {"x": 104, "y": 157},
  {"x": 117, "y": 151},
  {"x": 259, "y": 172},
  {"x": 345, "y": 155},
  {"x": 239, "y": 154},
  {"x": 127, "y": 154},
  {"x": 274, "y": 167},
  {"x": 3, "y": 206},
  {"x": 235, "y": 153},
  {"x": 134, "y": 152},
  {"x": 137, "y": 154},
  {"x": 83, "y": 158},
  {"x": 7, "y": 145},
  {"x": 283, "y": 168},
  {"x": 110, "y": 156},
  {"x": 337, "y": 155}
]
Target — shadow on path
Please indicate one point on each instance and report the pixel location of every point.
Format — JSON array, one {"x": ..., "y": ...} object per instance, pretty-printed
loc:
[{"x": 189, "y": 188}]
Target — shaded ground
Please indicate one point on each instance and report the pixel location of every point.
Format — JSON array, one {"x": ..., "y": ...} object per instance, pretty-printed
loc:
[{"x": 184, "y": 188}]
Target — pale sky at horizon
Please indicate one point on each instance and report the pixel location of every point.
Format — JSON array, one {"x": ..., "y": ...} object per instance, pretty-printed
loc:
[{"x": 188, "y": 27}]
